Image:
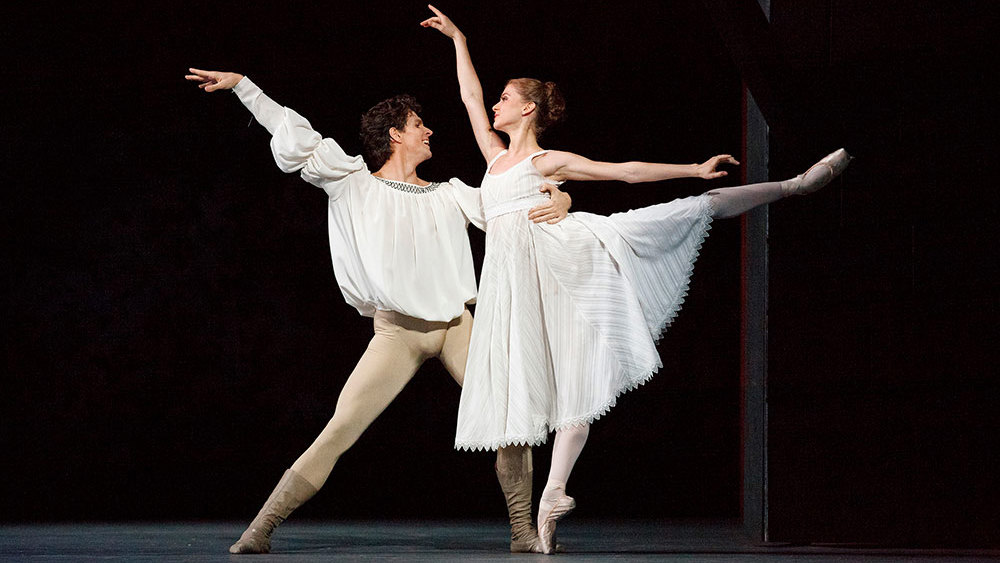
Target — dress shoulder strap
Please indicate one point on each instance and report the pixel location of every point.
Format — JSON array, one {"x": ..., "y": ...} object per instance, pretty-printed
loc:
[
  {"x": 531, "y": 159},
  {"x": 489, "y": 166}
]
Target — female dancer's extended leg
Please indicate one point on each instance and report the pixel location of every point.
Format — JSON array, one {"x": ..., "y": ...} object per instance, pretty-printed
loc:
[{"x": 732, "y": 202}]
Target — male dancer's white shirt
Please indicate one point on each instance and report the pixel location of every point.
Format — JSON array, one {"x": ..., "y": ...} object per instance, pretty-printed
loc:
[{"x": 395, "y": 246}]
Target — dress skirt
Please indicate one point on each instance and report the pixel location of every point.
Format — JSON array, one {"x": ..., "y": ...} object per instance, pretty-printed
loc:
[{"x": 568, "y": 316}]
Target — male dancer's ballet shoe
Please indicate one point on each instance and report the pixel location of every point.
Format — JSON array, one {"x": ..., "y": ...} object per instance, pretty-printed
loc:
[
  {"x": 526, "y": 545},
  {"x": 547, "y": 522},
  {"x": 292, "y": 490},
  {"x": 515, "y": 478},
  {"x": 516, "y": 487},
  {"x": 819, "y": 174}
]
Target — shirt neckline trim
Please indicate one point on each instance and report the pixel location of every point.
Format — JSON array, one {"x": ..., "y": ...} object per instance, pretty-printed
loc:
[{"x": 408, "y": 187}]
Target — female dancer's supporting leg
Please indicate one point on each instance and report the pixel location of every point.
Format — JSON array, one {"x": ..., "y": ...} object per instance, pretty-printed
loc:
[{"x": 554, "y": 503}]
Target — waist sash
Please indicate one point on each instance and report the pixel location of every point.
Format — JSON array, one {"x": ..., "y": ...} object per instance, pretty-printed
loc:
[{"x": 513, "y": 205}]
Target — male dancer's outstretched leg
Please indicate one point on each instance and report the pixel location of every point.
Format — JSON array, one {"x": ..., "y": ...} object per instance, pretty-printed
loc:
[
  {"x": 400, "y": 345},
  {"x": 392, "y": 357}
]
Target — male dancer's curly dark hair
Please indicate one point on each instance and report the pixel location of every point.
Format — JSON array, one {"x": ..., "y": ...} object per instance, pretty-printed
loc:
[{"x": 377, "y": 121}]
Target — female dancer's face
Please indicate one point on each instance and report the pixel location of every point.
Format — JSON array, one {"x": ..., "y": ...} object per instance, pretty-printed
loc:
[{"x": 509, "y": 110}]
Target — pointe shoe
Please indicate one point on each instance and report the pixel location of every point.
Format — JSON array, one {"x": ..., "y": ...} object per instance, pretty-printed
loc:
[
  {"x": 292, "y": 490},
  {"x": 530, "y": 544},
  {"x": 820, "y": 174},
  {"x": 547, "y": 522}
]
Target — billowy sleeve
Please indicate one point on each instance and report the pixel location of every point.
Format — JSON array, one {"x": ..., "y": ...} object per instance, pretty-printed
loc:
[
  {"x": 296, "y": 146},
  {"x": 470, "y": 202}
]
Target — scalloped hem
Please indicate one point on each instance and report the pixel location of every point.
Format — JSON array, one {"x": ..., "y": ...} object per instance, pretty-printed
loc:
[
  {"x": 707, "y": 217},
  {"x": 607, "y": 406},
  {"x": 537, "y": 440},
  {"x": 531, "y": 441}
]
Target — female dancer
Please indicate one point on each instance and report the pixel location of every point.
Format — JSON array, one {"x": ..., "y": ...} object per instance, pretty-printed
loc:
[{"x": 568, "y": 314}]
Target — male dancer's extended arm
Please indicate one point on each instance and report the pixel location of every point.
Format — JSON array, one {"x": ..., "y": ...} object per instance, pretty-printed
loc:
[
  {"x": 294, "y": 140},
  {"x": 267, "y": 111}
]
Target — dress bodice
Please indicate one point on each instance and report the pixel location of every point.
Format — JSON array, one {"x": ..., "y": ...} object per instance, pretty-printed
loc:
[{"x": 513, "y": 189}]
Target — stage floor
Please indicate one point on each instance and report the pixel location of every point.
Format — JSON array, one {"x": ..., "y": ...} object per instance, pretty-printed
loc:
[{"x": 585, "y": 540}]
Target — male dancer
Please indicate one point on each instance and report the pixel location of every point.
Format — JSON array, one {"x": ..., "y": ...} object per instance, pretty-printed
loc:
[{"x": 401, "y": 254}]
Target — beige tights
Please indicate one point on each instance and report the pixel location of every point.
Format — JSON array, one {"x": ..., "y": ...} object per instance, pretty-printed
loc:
[{"x": 400, "y": 345}]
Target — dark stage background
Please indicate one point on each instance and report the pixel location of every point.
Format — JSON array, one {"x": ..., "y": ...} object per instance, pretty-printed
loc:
[{"x": 174, "y": 336}]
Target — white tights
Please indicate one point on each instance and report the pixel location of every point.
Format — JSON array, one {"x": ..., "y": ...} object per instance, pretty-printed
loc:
[
  {"x": 733, "y": 202},
  {"x": 568, "y": 444}
]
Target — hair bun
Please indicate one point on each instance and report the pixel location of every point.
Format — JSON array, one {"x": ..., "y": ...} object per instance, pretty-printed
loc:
[
  {"x": 555, "y": 103},
  {"x": 551, "y": 107}
]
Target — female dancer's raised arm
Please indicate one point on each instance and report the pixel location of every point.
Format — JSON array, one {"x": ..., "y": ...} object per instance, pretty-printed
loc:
[
  {"x": 472, "y": 91},
  {"x": 555, "y": 165}
]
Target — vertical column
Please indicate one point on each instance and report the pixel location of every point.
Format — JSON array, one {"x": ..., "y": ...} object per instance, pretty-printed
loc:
[
  {"x": 745, "y": 28},
  {"x": 753, "y": 330}
]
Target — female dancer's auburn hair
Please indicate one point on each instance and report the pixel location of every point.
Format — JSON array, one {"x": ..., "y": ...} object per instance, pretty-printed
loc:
[{"x": 547, "y": 97}]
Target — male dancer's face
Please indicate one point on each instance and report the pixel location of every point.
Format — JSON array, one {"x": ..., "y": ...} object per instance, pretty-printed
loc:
[{"x": 414, "y": 140}]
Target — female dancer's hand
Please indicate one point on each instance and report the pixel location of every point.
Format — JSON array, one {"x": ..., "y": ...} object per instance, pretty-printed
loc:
[
  {"x": 441, "y": 23},
  {"x": 555, "y": 209},
  {"x": 211, "y": 80},
  {"x": 707, "y": 170}
]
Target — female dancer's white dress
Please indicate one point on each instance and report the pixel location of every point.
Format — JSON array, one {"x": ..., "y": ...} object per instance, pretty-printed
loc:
[{"x": 568, "y": 314}]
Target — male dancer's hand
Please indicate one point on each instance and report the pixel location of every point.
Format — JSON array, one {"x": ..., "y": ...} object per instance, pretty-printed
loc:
[
  {"x": 212, "y": 80},
  {"x": 555, "y": 209},
  {"x": 707, "y": 170}
]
